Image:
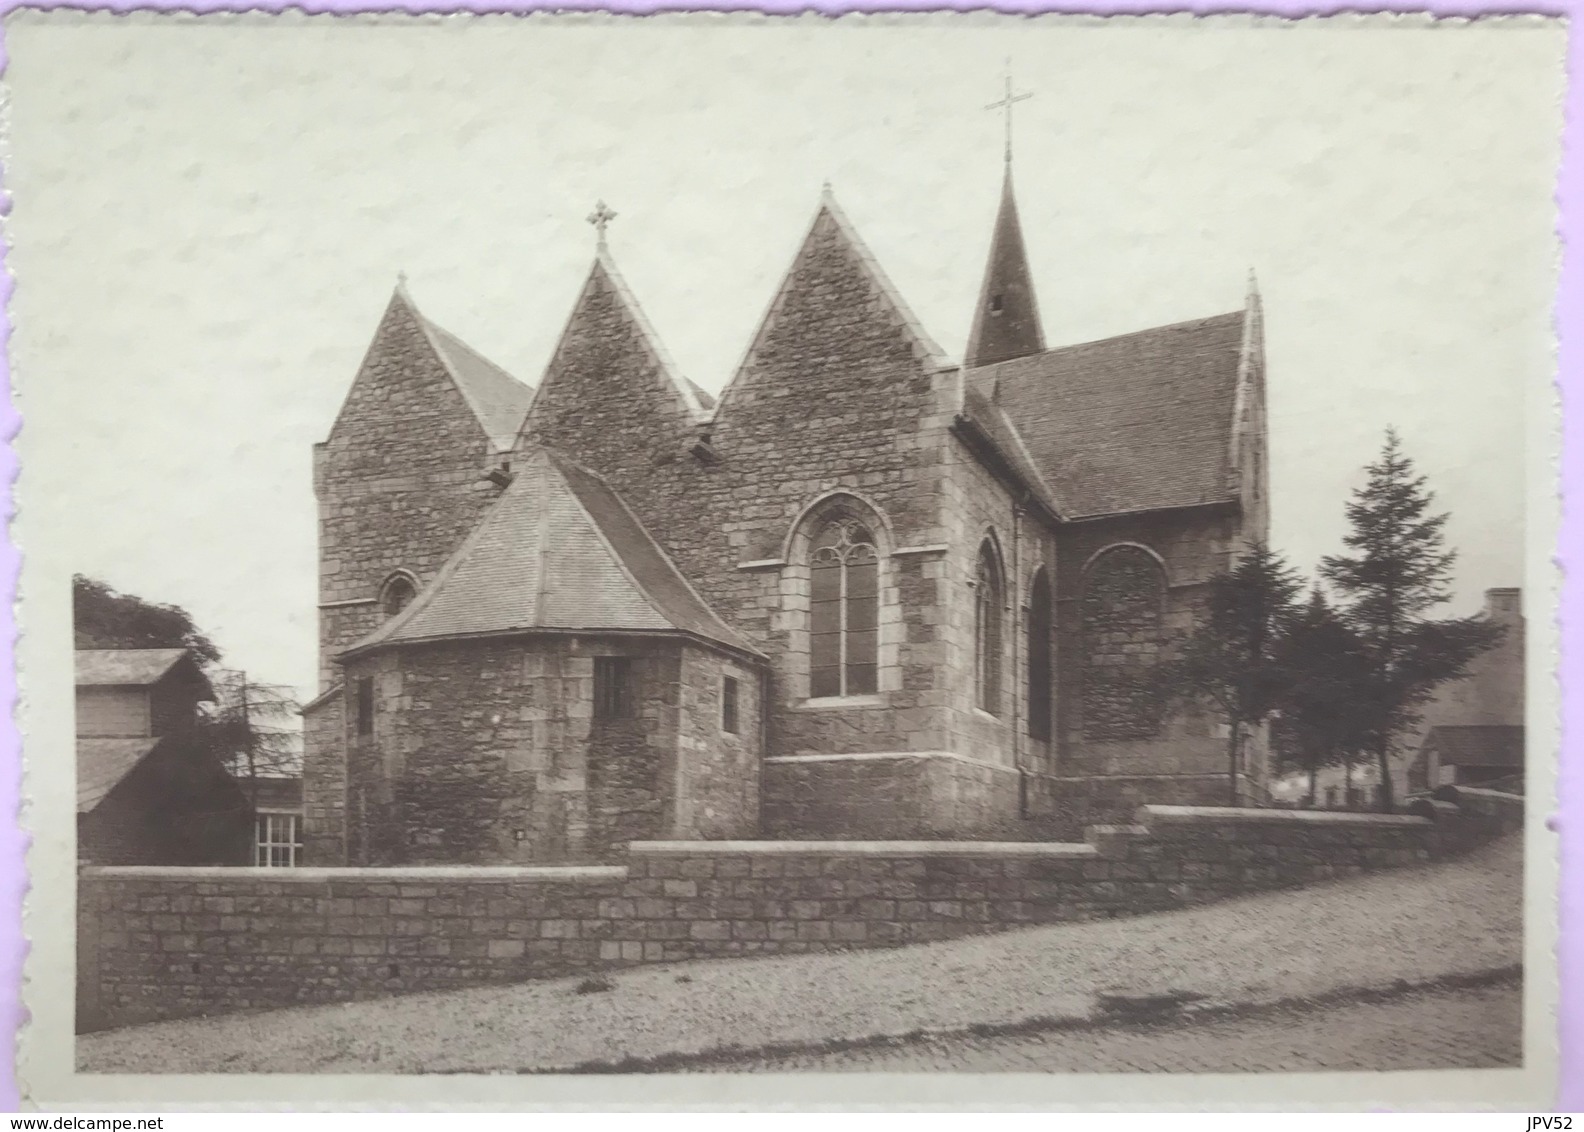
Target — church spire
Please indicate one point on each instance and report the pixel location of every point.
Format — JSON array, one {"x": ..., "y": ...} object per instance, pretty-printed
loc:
[{"x": 1006, "y": 323}]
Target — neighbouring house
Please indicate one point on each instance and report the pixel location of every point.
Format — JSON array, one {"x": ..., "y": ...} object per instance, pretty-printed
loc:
[
  {"x": 868, "y": 592},
  {"x": 148, "y": 792},
  {"x": 1473, "y": 731}
]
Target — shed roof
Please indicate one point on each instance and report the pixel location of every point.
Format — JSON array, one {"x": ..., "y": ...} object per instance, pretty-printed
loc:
[{"x": 101, "y": 763}]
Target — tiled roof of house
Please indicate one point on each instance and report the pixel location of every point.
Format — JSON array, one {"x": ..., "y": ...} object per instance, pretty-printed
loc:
[
  {"x": 559, "y": 550},
  {"x": 1478, "y": 745},
  {"x": 273, "y": 792},
  {"x": 125, "y": 667},
  {"x": 101, "y": 763},
  {"x": 1139, "y": 422},
  {"x": 498, "y": 400}
]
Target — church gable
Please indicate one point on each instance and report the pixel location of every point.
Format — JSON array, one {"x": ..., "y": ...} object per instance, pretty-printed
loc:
[
  {"x": 610, "y": 393},
  {"x": 400, "y": 480},
  {"x": 414, "y": 369},
  {"x": 835, "y": 318}
]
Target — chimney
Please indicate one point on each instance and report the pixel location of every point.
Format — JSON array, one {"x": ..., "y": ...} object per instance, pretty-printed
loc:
[{"x": 1504, "y": 604}]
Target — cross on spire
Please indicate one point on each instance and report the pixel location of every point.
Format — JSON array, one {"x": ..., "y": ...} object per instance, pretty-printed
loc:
[
  {"x": 602, "y": 215},
  {"x": 1006, "y": 102}
]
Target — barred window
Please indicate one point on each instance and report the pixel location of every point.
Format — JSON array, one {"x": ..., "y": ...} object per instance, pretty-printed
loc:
[
  {"x": 844, "y": 610},
  {"x": 729, "y": 705},
  {"x": 365, "y": 705},
  {"x": 988, "y": 606},
  {"x": 613, "y": 687}
]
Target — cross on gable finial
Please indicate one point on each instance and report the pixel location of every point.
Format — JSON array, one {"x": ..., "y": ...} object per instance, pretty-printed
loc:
[
  {"x": 602, "y": 215},
  {"x": 1006, "y": 102}
]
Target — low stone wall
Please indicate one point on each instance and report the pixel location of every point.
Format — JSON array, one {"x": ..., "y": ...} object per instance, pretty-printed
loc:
[{"x": 166, "y": 942}]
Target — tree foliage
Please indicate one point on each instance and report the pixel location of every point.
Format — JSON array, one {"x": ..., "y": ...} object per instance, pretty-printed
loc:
[
  {"x": 252, "y": 728},
  {"x": 1232, "y": 658},
  {"x": 106, "y": 619},
  {"x": 1398, "y": 569},
  {"x": 1326, "y": 676}
]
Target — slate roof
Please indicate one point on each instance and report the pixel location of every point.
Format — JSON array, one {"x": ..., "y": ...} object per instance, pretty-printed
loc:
[
  {"x": 1006, "y": 322},
  {"x": 559, "y": 550},
  {"x": 1139, "y": 422},
  {"x": 498, "y": 400},
  {"x": 125, "y": 667},
  {"x": 1489, "y": 745},
  {"x": 101, "y": 763}
]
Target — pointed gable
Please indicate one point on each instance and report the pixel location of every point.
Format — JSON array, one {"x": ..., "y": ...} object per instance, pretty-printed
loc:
[
  {"x": 412, "y": 359},
  {"x": 1006, "y": 322},
  {"x": 611, "y": 393},
  {"x": 835, "y": 290},
  {"x": 559, "y": 551}
]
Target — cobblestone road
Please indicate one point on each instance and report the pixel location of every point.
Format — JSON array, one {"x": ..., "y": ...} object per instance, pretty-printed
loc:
[{"x": 1468, "y": 1028}]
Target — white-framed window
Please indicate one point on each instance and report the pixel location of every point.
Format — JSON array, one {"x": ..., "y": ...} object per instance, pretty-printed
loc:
[{"x": 277, "y": 840}]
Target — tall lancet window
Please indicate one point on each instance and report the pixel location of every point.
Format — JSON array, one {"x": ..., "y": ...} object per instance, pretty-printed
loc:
[
  {"x": 1039, "y": 656},
  {"x": 844, "y": 607},
  {"x": 988, "y": 608}
]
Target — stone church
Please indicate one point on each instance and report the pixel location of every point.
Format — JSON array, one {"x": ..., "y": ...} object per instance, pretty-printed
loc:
[{"x": 869, "y": 592}]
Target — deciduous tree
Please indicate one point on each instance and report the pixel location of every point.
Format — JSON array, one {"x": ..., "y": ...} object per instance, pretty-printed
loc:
[{"x": 1231, "y": 659}]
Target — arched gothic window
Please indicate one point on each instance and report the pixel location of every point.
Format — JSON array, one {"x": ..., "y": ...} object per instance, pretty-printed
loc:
[
  {"x": 844, "y": 608},
  {"x": 1124, "y": 594},
  {"x": 989, "y": 603},
  {"x": 1039, "y": 656},
  {"x": 396, "y": 594}
]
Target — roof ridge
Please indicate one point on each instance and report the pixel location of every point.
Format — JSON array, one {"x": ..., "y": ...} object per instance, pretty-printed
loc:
[
  {"x": 1049, "y": 350},
  {"x": 440, "y": 340}
]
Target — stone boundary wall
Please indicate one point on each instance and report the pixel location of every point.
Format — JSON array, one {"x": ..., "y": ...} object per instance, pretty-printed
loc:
[{"x": 172, "y": 942}]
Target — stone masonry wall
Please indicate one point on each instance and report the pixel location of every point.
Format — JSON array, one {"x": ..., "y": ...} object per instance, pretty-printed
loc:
[
  {"x": 1194, "y": 545},
  {"x": 399, "y": 481},
  {"x": 933, "y": 794},
  {"x": 164, "y": 942},
  {"x": 716, "y": 794},
  {"x": 487, "y": 752},
  {"x": 324, "y": 782},
  {"x": 980, "y": 505},
  {"x": 836, "y": 395}
]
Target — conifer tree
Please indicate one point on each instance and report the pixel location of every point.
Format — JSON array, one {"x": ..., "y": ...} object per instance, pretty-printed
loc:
[
  {"x": 1231, "y": 660},
  {"x": 1398, "y": 570}
]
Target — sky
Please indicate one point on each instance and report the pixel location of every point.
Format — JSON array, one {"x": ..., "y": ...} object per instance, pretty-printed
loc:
[{"x": 210, "y": 214}]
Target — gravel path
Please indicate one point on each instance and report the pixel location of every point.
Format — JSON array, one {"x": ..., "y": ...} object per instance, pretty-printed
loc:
[
  {"x": 1461, "y": 1029},
  {"x": 1456, "y": 917}
]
